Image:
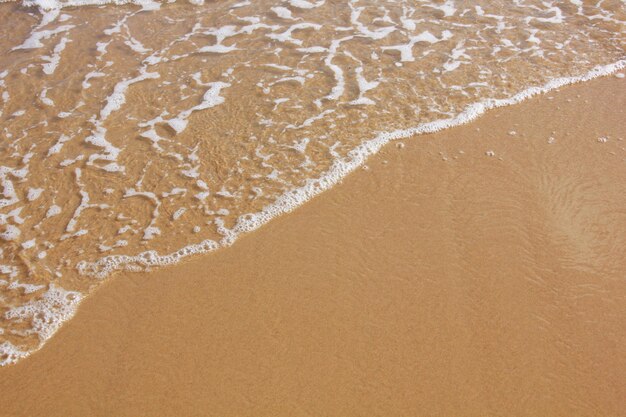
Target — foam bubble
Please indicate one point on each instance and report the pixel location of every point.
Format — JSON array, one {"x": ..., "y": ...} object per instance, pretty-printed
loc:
[{"x": 45, "y": 315}]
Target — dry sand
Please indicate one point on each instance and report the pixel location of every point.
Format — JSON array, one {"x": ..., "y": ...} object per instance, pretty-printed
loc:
[{"x": 440, "y": 281}]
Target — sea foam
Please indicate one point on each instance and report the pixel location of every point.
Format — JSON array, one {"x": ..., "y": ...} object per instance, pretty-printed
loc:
[
  {"x": 139, "y": 144},
  {"x": 292, "y": 199}
]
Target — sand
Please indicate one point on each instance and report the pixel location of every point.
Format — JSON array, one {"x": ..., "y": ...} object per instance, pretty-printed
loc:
[{"x": 479, "y": 271}]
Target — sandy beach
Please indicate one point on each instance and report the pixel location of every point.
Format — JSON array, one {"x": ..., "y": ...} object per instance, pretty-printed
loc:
[{"x": 478, "y": 271}]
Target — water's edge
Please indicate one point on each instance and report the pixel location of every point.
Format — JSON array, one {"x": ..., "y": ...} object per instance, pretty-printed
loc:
[{"x": 54, "y": 316}]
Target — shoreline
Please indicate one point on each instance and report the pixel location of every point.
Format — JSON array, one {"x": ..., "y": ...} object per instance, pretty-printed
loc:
[
  {"x": 356, "y": 158},
  {"x": 150, "y": 148},
  {"x": 109, "y": 265},
  {"x": 334, "y": 337}
]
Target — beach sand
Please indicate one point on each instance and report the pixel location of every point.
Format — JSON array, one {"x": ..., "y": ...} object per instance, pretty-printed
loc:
[{"x": 479, "y": 271}]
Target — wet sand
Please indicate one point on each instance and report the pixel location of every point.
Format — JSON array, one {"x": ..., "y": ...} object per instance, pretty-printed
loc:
[{"x": 479, "y": 271}]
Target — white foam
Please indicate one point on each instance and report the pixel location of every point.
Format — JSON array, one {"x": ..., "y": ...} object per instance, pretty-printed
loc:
[
  {"x": 28, "y": 288},
  {"x": 241, "y": 4},
  {"x": 55, "y": 5},
  {"x": 115, "y": 101},
  {"x": 301, "y": 146},
  {"x": 282, "y": 12},
  {"x": 310, "y": 120},
  {"x": 211, "y": 98},
  {"x": 178, "y": 213},
  {"x": 10, "y": 196},
  {"x": 338, "y": 60},
  {"x": 218, "y": 49},
  {"x": 34, "y": 193},
  {"x": 89, "y": 76},
  {"x": 10, "y": 354},
  {"x": 340, "y": 82},
  {"x": 364, "y": 30},
  {"x": 303, "y": 4},
  {"x": 105, "y": 266},
  {"x": 313, "y": 50},
  {"x": 556, "y": 19},
  {"x": 286, "y": 36},
  {"x": 97, "y": 138},
  {"x": 44, "y": 99},
  {"x": 34, "y": 41},
  {"x": 55, "y": 58},
  {"x": 447, "y": 8},
  {"x": 178, "y": 124},
  {"x": 136, "y": 46},
  {"x": 406, "y": 50},
  {"x": 56, "y": 148},
  {"x": 29, "y": 244},
  {"x": 11, "y": 232},
  {"x": 340, "y": 168},
  {"x": 45, "y": 314},
  {"x": 364, "y": 87}
]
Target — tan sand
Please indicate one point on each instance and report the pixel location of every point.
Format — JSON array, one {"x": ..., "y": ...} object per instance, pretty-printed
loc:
[{"x": 440, "y": 281}]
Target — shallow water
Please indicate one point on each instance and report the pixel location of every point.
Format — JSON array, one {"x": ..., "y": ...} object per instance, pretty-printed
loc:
[{"x": 133, "y": 136}]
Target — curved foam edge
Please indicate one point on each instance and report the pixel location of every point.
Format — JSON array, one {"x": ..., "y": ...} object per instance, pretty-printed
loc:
[
  {"x": 46, "y": 315},
  {"x": 284, "y": 204},
  {"x": 340, "y": 168},
  {"x": 9, "y": 354}
]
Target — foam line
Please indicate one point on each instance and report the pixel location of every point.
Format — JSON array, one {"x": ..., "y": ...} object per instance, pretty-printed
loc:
[
  {"x": 340, "y": 169},
  {"x": 47, "y": 314},
  {"x": 58, "y": 305}
]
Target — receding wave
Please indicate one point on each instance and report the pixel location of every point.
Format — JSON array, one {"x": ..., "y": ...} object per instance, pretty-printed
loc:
[{"x": 135, "y": 134}]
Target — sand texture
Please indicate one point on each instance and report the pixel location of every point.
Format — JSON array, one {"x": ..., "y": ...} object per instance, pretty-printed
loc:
[{"x": 479, "y": 271}]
